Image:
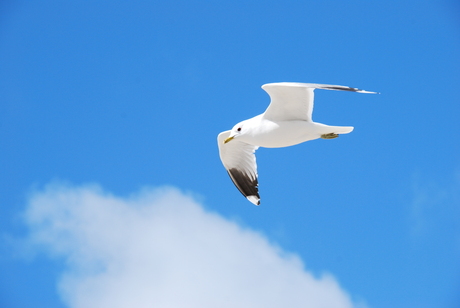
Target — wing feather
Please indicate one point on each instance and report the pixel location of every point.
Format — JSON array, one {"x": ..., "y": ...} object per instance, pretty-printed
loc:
[
  {"x": 239, "y": 160},
  {"x": 294, "y": 101}
]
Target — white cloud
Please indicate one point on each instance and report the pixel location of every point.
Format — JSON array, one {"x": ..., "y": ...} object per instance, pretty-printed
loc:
[
  {"x": 434, "y": 204},
  {"x": 160, "y": 248}
]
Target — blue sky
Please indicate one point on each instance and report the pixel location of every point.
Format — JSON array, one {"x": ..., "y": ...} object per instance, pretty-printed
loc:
[{"x": 111, "y": 179}]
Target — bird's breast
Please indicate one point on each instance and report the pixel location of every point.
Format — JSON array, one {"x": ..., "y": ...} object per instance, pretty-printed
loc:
[{"x": 271, "y": 134}]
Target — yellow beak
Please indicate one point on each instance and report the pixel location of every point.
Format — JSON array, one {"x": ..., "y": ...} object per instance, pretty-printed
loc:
[{"x": 228, "y": 139}]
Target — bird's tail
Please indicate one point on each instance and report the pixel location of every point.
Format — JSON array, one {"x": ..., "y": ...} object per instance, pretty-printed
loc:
[{"x": 341, "y": 129}]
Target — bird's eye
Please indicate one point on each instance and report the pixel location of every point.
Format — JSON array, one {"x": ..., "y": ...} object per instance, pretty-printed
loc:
[{"x": 239, "y": 129}]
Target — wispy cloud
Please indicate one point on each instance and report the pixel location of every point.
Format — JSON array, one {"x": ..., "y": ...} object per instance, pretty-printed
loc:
[
  {"x": 160, "y": 248},
  {"x": 433, "y": 204}
]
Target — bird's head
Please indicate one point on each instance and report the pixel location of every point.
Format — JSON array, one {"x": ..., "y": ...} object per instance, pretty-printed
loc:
[{"x": 237, "y": 130}]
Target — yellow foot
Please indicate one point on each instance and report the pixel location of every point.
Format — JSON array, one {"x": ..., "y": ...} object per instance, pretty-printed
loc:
[{"x": 329, "y": 136}]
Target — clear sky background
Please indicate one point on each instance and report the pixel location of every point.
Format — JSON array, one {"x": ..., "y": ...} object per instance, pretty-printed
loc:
[{"x": 112, "y": 193}]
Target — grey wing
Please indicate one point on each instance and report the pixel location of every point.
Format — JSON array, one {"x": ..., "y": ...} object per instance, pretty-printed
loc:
[
  {"x": 239, "y": 160},
  {"x": 294, "y": 101}
]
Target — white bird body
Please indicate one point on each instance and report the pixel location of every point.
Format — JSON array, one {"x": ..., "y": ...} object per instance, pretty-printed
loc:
[
  {"x": 286, "y": 122},
  {"x": 269, "y": 134}
]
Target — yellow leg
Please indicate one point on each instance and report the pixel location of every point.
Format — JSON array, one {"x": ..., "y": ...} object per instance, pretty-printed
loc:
[{"x": 329, "y": 136}]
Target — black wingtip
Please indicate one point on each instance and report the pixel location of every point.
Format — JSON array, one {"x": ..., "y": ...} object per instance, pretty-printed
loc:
[
  {"x": 343, "y": 88},
  {"x": 248, "y": 186}
]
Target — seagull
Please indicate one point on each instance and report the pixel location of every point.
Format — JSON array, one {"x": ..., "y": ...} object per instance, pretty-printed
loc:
[{"x": 286, "y": 122}]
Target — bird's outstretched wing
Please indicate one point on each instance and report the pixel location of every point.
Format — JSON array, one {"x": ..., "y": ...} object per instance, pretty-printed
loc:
[
  {"x": 240, "y": 161},
  {"x": 294, "y": 101}
]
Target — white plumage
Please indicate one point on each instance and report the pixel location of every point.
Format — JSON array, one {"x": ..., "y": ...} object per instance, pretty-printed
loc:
[{"x": 287, "y": 121}]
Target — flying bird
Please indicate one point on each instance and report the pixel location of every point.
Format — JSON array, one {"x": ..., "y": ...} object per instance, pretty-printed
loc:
[{"x": 287, "y": 121}]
